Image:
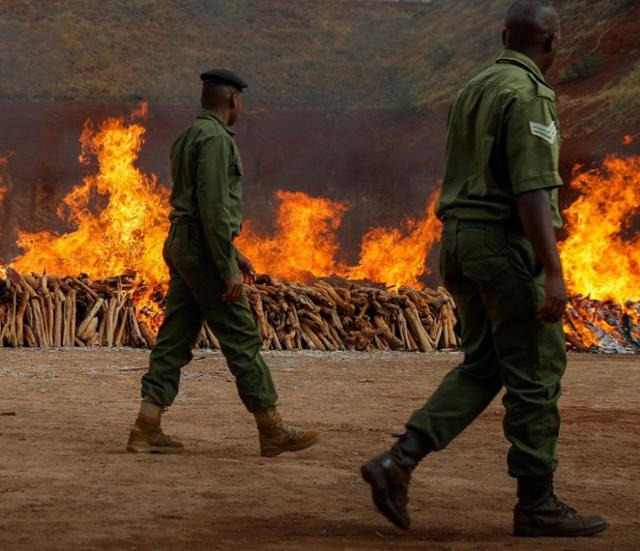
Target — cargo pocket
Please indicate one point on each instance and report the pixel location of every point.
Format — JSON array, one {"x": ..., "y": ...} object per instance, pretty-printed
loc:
[
  {"x": 236, "y": 171},
  {"x": 471, "y": 244},
  {"x": 235, "y": 167},
  {"x": 524, "y": 258},
  {"x": 495, "y": 239},
  {"x": 486, "y": 270},
  {"x": 186, "y": 262}
]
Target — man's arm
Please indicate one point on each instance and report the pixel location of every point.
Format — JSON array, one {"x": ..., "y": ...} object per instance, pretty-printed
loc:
[
  {"x": 532, "y": 153},
  {"x": 213, "y": 197},
  {"x": 534, "y": 210},
  {"x": 247, "y": 269}
]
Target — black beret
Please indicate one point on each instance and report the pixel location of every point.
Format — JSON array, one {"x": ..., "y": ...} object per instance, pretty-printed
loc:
[{"x": 224, "y": 76}]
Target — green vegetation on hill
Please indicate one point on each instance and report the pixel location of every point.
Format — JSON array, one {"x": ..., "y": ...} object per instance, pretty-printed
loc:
[
  {"x": 300, "y": 54},
  {"x": 296, "y": 54}
]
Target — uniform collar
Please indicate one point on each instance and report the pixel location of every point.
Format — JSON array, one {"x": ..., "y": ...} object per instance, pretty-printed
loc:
[
  {"x": 210, "y": 115},
  {"x": 517, "y": 58}
]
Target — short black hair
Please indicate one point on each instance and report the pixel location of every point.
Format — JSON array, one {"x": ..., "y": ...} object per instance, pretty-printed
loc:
[{"x": 532, "y": 15}]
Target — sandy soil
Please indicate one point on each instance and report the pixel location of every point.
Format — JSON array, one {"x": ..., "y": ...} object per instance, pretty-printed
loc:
[{"x": 67, "y": 483}]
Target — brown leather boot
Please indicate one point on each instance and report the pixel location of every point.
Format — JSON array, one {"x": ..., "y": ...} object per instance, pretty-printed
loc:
[
  {"x": 277, "y": 437},
  {"x": 146, "y": 435},
  {"x": 389, "y": 474},
  {"x": 540, "y": 513}
]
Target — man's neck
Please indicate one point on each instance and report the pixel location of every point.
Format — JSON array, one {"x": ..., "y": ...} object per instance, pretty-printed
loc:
[
  {"x": 221, "y": 113},
  {"x": 537, "y": 59}
]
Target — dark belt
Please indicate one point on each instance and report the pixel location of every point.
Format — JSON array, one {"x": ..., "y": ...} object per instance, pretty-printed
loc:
[
  {"x": 191, "y": 230},
  {"x": 507, "y": 226},
  {"x": 475, "y": 225}
]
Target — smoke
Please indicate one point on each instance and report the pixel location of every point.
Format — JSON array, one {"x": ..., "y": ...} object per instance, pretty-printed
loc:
[
  {"x": 6, "y": 183},
  {"x": 5, "y": 177}
]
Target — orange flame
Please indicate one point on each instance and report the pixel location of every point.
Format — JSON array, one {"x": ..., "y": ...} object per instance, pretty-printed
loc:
[
  {"x": 601, "y": 256},
  {"x": 398, "y": 256},
  {"x": 119, "y": 220},
  {"x": 119, "y": 217},
  {"x": 130, "y": 223},
  {"x": 304, "y": 243}
]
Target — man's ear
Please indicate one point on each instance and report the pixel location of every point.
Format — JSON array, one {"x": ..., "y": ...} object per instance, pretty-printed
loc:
[
  {"x": 549, "y": 42},
  {"x": 234, "y": 99}
]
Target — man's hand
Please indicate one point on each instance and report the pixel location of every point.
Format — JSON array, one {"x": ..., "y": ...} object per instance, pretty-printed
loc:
[
  {"x": 246, "y": 268},
  {"x": 234, "y": 285},
  {"x": 534, "y": 209},
  {"x": 555, "y": 298}
]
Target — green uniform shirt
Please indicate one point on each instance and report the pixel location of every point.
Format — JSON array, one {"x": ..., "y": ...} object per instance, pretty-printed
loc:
[
  {"x": 206, "y": 171},
  {"x": 502, "y": 140}
]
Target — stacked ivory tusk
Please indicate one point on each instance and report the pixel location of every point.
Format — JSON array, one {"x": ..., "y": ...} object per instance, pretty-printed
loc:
[
  {"x": 351, "y": 316},
  {"x": 50, "y": 311}
]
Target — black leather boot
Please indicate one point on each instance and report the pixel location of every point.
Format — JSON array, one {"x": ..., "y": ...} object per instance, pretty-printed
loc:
[
  {"x": 540, "y": 513},
  {"x": 389, "y": 474}
]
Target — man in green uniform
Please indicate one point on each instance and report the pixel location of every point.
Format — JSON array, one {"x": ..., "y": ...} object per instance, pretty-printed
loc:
[
  {"x": 206, "y": 278},
  {"x": 500, "y": 261}
]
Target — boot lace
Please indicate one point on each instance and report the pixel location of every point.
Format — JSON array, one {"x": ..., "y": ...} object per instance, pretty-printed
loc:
[
  {"x": 290, "y": 430},
  {"x": 564, "y": 508}
]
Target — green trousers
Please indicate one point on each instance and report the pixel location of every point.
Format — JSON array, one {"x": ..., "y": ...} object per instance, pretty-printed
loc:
[
  {"x": 195, "y": 294},
  {"x": 498, "y": 283}
]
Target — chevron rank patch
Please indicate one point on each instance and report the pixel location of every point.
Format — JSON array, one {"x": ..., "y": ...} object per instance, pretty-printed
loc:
[{"x": 547, "y": 133}]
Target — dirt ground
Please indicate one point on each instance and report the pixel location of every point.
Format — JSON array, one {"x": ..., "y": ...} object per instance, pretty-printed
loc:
[{"x": 67, "y": 483}]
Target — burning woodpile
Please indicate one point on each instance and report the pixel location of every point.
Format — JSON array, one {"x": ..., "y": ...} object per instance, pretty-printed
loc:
[
  {"x": 602, "y": 326},
  {"x": 327, "y": 315},
  {"x": 123, "y": 213},
  {"x": 50, "y": 311}
]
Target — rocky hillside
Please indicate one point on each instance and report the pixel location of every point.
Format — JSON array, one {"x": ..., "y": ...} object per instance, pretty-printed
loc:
[{"x": 311, "y": 54}]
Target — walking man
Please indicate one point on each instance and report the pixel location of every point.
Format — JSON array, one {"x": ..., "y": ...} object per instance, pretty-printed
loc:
[
  {"x": 500, "y": 261},
  {"x": 206, "y": 278}
]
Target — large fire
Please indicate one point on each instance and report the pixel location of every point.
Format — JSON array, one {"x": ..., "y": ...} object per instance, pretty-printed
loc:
[
  {"x": 601, "y": 254},
  {"x": 304, "y": 243},
  {"x": 118, "y": 215},
  {"x": 118, "y": 220},
  {"x": 399, "y": 256}
]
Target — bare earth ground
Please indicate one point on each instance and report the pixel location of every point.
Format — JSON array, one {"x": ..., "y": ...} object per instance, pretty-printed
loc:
[{"x": 66, "y": 482}]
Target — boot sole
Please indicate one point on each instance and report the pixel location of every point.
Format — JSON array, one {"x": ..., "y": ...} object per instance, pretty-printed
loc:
[
  {"x": 535, "y": 532},
  {"x": 135, "y": 448},
  {"x": 273, "y": 452},
  {"x": 374, "y": 476}
]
